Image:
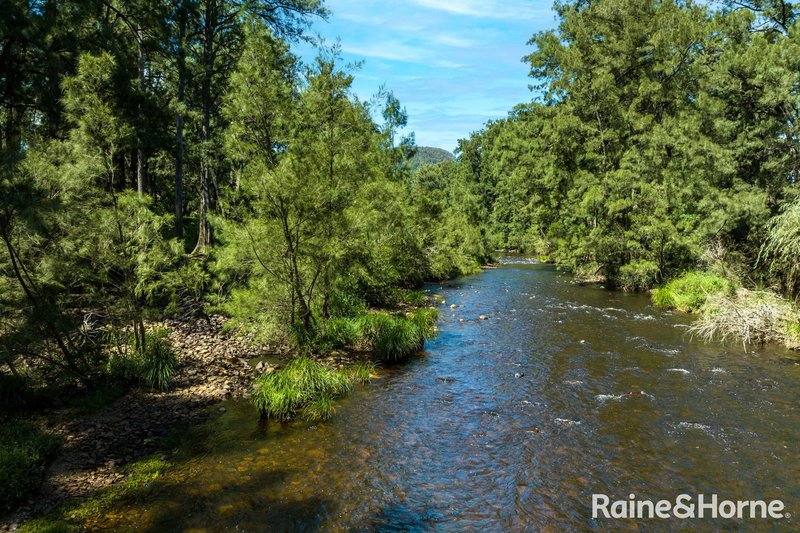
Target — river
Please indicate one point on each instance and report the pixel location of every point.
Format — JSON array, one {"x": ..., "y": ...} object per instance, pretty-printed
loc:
[{"x": 508, "y": 424}]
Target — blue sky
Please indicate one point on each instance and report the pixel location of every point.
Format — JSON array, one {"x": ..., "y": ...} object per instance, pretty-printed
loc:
[{"x": 453, "y": 64}]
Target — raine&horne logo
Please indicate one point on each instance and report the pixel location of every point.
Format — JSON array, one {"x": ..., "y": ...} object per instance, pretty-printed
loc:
[{"x": 687, "y": 506}]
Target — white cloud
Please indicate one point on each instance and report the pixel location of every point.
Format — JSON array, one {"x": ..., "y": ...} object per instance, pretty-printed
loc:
[
  {"x": 390, "y": 50},
  {"x": 490, "y": 9},
  {"x": 454, "y": 41}
]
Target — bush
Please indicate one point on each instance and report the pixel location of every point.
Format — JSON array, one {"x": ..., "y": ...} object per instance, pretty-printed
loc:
[
  {"x": 689, "y": 292},
  {"x": 752, "y": 317},
  {"x": 25, "y": 452},
  {"x": 638, "y": 275},
  {"x": 303, "y": 385}
]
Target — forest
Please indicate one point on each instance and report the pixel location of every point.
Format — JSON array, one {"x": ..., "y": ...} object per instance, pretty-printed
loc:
[{"x": 174, "y": 159}]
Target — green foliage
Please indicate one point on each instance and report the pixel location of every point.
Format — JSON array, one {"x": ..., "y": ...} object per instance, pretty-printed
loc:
[
  {"x": 302, "y": 385},
  {"x": 638, "y": 275},
  {"x": 25, "y": 452},
  {"x": 663, "y": 128},
  {"x": 690, "y": 292},
  {"x": 781, "y": 249}
]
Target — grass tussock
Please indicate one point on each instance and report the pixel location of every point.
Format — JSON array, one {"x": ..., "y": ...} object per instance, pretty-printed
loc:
[
  {"x": 392, "y": 338},
  {"x": 751, "y": 317},
  {"x": 154, "y": 366},
  {"x": 303, "y": 385},
  {"x": 361, "y": 372},
  {"x": 690, "y": 292}
]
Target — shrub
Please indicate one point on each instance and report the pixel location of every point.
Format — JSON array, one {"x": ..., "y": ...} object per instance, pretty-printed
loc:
[
  {"x": 753, "y": 317},
  {"x": 25, "y": 452},
  {"x": 638, "y": 275},
  {"x": 689, "y": 292},
  {"x": 303, "y": 385}
]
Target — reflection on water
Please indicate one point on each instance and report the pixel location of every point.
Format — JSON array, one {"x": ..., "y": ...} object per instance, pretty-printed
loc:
[{"x": 509, "y": 423}]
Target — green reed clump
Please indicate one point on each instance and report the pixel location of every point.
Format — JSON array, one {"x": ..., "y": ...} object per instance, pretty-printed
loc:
[
  {"x": 690, "y": 292},
  {"x": 158, "y": 361},
  {"x": 153, "y": 365},
  {"x": 302, "y": 385},
  {"x": 392, "y": 338},
  {"x": 337, "y": 333},
  {"x": 362, "y": 371}
]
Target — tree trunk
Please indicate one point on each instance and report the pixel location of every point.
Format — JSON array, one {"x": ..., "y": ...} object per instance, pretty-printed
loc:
[
  {"x": 179, "y": 120},
  {"x": 140, "y": 157},
  {"x": 204, "y": 236}
]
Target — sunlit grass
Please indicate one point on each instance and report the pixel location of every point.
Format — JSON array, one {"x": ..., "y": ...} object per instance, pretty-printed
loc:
[{"x": 303, "y": 385}]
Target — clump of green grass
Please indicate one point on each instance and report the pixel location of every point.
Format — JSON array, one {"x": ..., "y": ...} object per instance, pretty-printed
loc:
[
  {"x": 302, "y": 385},
  {"x": 362, "y": 371},
  {"x": 154, "y": 366},
  {"x": 391, "y": 338},
  {"x": 158, "y": 361},
  {"x": 690, "y": 292},
  {"x": 337, "y": 333},
  {"x": 25, "y": 452}
]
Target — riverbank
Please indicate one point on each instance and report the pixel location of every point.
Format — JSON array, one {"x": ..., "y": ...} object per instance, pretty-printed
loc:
[
  {"x": 97, "y": 443},
  {"x": 106, "y": 447}
]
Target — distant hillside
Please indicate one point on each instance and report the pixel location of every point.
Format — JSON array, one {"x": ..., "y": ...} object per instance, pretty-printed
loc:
[{"x": 427, "y": 155}]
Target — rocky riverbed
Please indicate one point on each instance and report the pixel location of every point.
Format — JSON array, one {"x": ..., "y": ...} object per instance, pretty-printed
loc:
[{"x": 212, "y": 367}]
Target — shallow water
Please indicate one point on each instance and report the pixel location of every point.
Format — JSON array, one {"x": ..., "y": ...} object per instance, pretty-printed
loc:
[{"x": 509, "y": 423}]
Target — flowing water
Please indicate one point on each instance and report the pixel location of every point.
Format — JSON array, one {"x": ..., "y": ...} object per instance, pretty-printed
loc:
[{"x": 508, "y": 424}]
